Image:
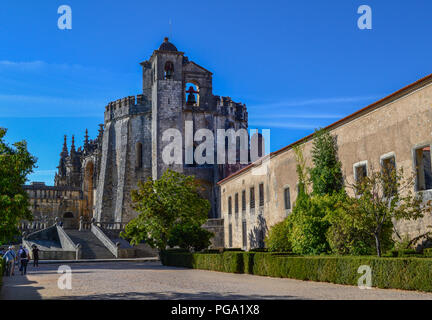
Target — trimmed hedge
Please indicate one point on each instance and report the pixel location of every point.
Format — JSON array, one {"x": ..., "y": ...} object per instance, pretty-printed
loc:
[
  {"x": 2, "y": 267},
  {"x": 397, "y": 273}
]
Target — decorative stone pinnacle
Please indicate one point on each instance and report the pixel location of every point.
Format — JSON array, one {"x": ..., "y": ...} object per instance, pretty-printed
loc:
[
  {"x": 86, "y": 138},
  {"x": 73, "y": 145},
  {"x": 64, "y": 152}
]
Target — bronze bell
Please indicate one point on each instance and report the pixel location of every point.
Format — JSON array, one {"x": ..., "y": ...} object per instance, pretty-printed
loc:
[
  {"x": 191, "y": 96},
  {"x": 168, "y": 74}
]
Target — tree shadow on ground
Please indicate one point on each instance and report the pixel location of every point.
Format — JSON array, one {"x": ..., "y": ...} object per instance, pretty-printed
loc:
[
  {"x": 170, "y": 295},
  {"x": 19, "y": 287}
]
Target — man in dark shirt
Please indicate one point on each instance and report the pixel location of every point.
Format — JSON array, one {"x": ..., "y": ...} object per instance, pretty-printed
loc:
[{"x": 35, "y": 252}]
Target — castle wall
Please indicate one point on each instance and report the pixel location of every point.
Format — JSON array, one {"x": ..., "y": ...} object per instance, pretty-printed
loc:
[
  {"x": 127, "y": 122},
  {"x": 394, "y": 127},
  {"x": 48, "y": 203}
]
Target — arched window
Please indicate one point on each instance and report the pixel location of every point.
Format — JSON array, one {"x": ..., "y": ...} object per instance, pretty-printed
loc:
[
  {"x": 192, "y": 94},
  {"x": 139, "y": 155},
  {"x": 68, "y": 215},
  {"x": 168, "y": 70}
]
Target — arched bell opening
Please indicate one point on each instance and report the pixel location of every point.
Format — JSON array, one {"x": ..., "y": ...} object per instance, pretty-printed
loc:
[
  {"x": 168, "y": 70},
  {"x": 192, "y": 94}
]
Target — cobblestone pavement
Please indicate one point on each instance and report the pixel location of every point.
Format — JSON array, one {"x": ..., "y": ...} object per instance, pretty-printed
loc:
[{"x": 151, "y": 280}]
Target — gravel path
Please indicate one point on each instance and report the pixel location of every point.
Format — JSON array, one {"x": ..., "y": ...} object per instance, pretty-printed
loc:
[{"x": 151, "y": 280}]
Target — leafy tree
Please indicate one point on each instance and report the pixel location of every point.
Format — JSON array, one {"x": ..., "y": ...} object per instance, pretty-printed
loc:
[
  {"x": 382, "y": 197},
  {"x": 301, "y": 172},
  {"x": 16, "y": 163},
  {"x": 190, "y": 237},
  {"x": 163, "y": 205},
  {"x": 326, "y": 174},
  {"x": 346, "y": 235}
]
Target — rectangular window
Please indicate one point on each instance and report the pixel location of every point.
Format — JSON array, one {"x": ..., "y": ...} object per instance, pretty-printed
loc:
[
  {"x": 360, "y": 172},
  {"x": 230, "y": 236},
  {"x": 244, "y": 200},
  {"x": 244, "y": 234},
  {"x": 252, "y": 197},
  {"x": 229, "y": 205},
  {"x": 423, "y": 168},
  {"x": 389, "y": 169},
  {"x": 261, "y": 194},
  {"x": 236, "y": 203},
  {"x": 287, "y": 198}
]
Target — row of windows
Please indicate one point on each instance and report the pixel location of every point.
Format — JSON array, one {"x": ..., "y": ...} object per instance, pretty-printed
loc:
[
  {"x": 422, "y": 163},
  {"x": 287, "y": 199}
]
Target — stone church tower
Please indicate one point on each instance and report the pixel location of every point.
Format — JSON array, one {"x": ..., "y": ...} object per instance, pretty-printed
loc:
[{"x": 176, "y": 91}]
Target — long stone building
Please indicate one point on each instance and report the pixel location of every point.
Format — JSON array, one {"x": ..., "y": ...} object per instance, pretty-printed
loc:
[
  {"x": 394, "y": 130},
  {"x": 95, "y": 180}
]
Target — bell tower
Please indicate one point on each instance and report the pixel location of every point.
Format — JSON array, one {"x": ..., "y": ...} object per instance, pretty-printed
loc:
[{"x": 163, "y": 79}]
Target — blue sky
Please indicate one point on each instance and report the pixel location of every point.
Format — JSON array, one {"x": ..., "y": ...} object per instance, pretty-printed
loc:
[{"x": 297, "y": 65}]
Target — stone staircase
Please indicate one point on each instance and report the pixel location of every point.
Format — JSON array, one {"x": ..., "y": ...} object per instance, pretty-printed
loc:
[{"x": 91, "y": 246}]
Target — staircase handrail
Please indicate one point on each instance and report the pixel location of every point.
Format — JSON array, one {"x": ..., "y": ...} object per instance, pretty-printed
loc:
[{"x": 108, "y": 243}]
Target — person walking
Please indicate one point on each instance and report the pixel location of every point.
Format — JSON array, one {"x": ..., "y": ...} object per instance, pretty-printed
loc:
[
  {"x": 18, "y": 257},
  {"x": 24, "y": 258},
  {"x": 14, "y": 254},
  {"x": 35, "y": 252},
  {"x": 9, "y": 259}
]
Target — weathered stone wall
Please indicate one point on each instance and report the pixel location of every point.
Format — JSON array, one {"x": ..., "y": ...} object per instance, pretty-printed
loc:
[
  {"x": 48, "y": 202},
  {"x": 216, "y": 226},
  {"x": 127, "y": 124},
  {"x": 394, "y": 126}
]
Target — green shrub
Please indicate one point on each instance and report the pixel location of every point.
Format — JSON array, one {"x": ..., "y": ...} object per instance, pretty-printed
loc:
[
  {"x": 190, "y": 236},
  {"x": 259, "y": 250},
  {"x": 2, "y": 268},
  {"x": 278, "y": 238},
  {"x": 427, "y": 252},
  {"x": 407, "y": 253},
  {"x": 232, "y": 249},
  {"x": 308, "y": 224},
  {"x": 399, "y": 273},
  {"x": 212, "y": 251}
]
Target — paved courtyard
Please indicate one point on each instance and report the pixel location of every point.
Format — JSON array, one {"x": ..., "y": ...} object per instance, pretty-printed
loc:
[{"x": 151, "y": 280}]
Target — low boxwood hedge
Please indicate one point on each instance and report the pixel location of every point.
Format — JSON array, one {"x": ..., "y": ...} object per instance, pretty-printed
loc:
[
  {"x": 2, "y": 268},
  {"x": 407, "y": 273}
]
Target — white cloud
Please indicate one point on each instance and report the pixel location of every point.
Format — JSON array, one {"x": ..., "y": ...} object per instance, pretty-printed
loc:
[
  {"x": 315, "y": 101},
  {"x": 277, "y": 116},
  {"x": 44, "y": 172},
  {"x": 282, "y": 125}
]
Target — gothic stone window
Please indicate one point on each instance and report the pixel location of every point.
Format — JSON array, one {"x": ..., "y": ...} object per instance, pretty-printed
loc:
[
  {"x": 287, "y": 198},
  {"x": 261, "y": 194},
  {"x": 244, "y": 200},
  {"x": 388, "y": 167},
  {"x": 360, "y": 171},
  {"x": 229, "y": 205},
  {"x": 252, "y": 197},
  {"x": 423, "y": 168},
  {"x": 230, "y": 236},
  {"x": 236, "y": 203},
  {"x": 244, "y": 233}
]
